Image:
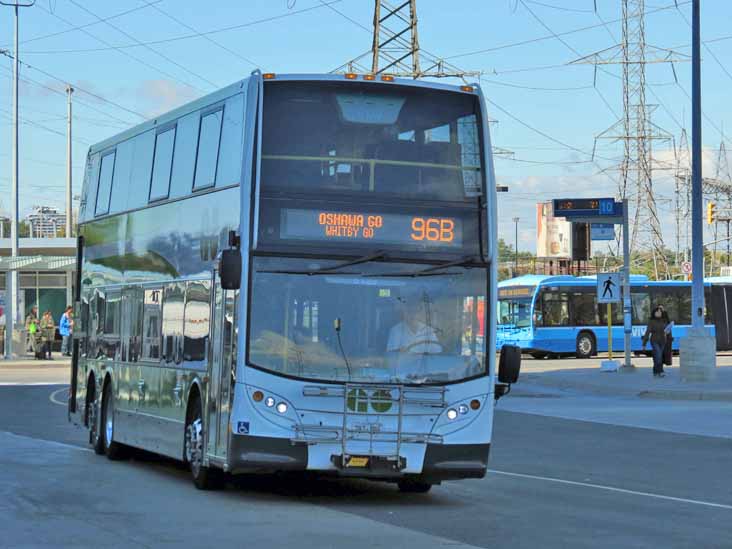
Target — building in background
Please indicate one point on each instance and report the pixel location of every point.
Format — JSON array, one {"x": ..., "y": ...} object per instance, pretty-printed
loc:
[{"x": 46, "y": 222}]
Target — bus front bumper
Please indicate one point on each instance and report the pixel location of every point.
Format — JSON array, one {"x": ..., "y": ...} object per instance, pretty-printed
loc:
[{"x": 252, "y": 454}]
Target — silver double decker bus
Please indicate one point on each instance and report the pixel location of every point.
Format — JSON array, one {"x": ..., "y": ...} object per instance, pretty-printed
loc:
[{"x": 294, "y": 273}]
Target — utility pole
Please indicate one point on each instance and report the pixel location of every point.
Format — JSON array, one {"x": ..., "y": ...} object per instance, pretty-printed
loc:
[
  {"x": 698, "y": 348},
  {"x": 515, "y": 257},
  {"x": 12, "y": 290},
  {"x": 69, "y": 91}
]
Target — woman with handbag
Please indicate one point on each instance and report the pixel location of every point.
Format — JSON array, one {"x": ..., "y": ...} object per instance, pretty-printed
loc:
[{"x": 656, "y": 332}]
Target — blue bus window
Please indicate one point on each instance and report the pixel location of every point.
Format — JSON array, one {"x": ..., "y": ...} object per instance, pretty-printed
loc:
[
  {"x": 104, "y": 190},
  {"x": 209, "y": 137}
]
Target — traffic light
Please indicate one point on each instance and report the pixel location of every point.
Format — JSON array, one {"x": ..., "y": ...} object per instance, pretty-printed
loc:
[{"x": 711, "y": 213}]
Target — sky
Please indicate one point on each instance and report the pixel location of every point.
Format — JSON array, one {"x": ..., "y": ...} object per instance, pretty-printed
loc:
[{"x": 132, "y": 59}]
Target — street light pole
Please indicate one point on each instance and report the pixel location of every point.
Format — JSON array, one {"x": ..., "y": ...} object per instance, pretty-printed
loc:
[
  {"x": 11, "y": 305},
  {"x": 515, "y": 257},
  {"x": 698, "y": 348}
]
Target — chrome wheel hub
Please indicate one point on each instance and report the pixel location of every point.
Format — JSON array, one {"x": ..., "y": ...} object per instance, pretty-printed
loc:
[
  {"x": 585, "y": 345},
  {"x": 109, "y": 421},
  {"x": 194, "y": 445}
]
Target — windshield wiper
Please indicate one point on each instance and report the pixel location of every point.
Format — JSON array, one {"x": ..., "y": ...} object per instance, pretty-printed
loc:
[
  {"x": 432, "y": 271},
  {"x": 335, "y": 268}
]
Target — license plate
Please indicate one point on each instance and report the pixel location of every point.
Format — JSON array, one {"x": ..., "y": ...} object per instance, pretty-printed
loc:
[{"x": 357, "y": 461}]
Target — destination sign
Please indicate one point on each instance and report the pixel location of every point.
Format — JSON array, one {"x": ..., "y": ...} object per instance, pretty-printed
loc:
[
  {"x": 515, "y": 291},
  {"x": 384, "y": 228}
]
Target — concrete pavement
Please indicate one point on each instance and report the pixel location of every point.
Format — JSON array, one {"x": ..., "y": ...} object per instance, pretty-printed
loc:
[
  {"x": 554, "y": 483},
  {"x": 26, "y": 371}
]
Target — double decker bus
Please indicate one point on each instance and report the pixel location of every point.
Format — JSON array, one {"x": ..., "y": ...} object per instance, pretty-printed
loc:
[
  {"x": 558, "y": 315},
  {"x": 294, "y": 273}
]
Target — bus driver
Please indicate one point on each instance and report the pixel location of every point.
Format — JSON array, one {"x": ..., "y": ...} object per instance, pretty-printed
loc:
[{"x": 413, "y": 334}]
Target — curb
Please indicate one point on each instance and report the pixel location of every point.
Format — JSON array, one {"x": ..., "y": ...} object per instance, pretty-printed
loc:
[{"x": 670, "y": 394}]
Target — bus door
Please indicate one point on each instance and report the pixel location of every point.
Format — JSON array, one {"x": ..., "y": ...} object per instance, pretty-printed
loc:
[{"x": 220, "y": 369}]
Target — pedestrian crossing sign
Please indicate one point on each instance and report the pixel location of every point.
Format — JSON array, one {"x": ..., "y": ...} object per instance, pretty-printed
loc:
[{"x": 608, "y": 288}]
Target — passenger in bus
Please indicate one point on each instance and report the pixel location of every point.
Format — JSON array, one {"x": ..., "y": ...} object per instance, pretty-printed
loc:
[
  {"x": 656, "y": 332},
  {"x": 413, "y": 334}
]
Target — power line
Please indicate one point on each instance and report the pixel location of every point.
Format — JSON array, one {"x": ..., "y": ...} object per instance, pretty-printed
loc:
[
  {"x": 535, "y": 88},
  {"x": 59, "y": 33},
  {"x": 149, "y": 48},
  {"x": 123, "y": 52},
  {"x": 123, "y": 47},
  {"x": 550, "y": 36},
  {"x": 204, "y": 36}
]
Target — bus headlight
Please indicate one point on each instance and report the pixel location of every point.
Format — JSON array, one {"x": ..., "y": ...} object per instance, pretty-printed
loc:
[
  {"x": 269, "y": 402},
  {"x": 282, "y": 408},
  {"x": 463, "y": 409},
  {"x": 452, "y": 414}
]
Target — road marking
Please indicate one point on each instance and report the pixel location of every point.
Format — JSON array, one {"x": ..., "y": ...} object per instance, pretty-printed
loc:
[
  {"x": 52, "y": 398},
  {"x": 44, "y": 441},
  {"x": 613, "y": 489},
  {"x": 30, "y": 383}
]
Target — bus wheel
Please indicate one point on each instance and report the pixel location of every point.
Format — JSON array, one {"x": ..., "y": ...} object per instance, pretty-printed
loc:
[
  {"x": 538, "y": 355},
  {"x": 113, "y": 450},
  {"x": 95, "y": 437},
  {"x": 205, "y": 478},
  {"x": 585, "y": 345},
  {"x": 413, "y": 487}
]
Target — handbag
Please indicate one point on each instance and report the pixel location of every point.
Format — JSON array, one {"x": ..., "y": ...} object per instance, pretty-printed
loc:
[{"x": 668, "y": 350}]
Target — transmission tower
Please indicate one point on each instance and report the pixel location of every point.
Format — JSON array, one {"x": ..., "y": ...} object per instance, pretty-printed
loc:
[
  {"x": 395, "y": 47},
  {"x": 636, "y": 130}
]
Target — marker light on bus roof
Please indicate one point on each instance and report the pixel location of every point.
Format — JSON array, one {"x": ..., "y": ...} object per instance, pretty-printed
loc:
[
  {"x": 268, "y": 76},
  {"x": 351, "y": 76},
  {"x": 387, "y": 78},
  {"x": 369, "y": 77},
  {"x": 467, "y": 88}
]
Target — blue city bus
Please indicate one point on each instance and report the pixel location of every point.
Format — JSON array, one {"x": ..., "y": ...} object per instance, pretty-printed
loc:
[{"x": 559, "y": 315}]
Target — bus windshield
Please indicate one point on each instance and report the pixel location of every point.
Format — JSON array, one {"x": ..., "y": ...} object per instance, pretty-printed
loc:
[
  {"x": 368, "y": 322},
  {"x": 515, "y": 313},
  {"x": 346, "y": 137}
]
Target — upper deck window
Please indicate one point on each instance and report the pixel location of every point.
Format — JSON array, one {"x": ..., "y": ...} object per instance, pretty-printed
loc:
[
  {"x": 209, "y": 136},
  {"x": 162, "y": 164},
  {"x": 104, "y": 188},
  {"x": 335, "y": 137}
]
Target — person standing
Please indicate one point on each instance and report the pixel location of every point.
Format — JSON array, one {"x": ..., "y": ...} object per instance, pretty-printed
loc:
[
  {"x": 31, "y": 327},
  {"x": 656, "y": 333},
  {"x": 48, "y": 333},
  {"x": 65, "y": 328}
]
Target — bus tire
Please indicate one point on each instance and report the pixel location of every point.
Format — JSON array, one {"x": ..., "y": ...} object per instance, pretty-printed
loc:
[
  {"x": 113, "y": 450},
  {"x": 538, "y": 355},
  {"x": 92, "y": 415},
  {"x": 409, "y": 486},
  {"x": 586, "y": 346},
  {"x": 204, "y": 478}
]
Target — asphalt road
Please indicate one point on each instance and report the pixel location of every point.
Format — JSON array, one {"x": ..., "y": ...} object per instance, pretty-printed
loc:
[{"x": 555, "y": 483}]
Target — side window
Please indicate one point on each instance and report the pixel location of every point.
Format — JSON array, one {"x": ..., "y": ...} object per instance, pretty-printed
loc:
[
  {"x": 162, "y": 165},
  {"x": 585, "y": 308},
  {"x": 197, "y": 313},
  {"x": 556, "y": 308},
  {"x": 173, "y": 310},
  {"x": 111, "y": 325},
  {"x": 685, "y": 306},
  {"x": 641, "y": 305},
  {"x": 104, "y": 188},
  {"x": 209, "y": 137},
  {"x": 151, "y": 324}
]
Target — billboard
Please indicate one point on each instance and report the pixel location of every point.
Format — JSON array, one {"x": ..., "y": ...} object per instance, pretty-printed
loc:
[{"x": 553, "y": 235}]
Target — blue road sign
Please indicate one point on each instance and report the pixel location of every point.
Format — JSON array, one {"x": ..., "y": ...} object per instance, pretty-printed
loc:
[
  {"x": 602, "y": 231},
  {"x": 607, "y": 206}
]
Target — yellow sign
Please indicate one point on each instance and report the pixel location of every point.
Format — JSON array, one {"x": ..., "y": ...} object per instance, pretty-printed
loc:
[{"x": 358, "y": 461}]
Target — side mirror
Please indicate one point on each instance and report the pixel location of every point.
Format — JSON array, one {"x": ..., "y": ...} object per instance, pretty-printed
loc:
[
  {"x": 509, "y": 364},
  {"x": 230, "y": 269}
]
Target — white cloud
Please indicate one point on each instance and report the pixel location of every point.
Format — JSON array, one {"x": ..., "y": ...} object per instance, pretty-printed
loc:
[{"x": 162, "y": 95}]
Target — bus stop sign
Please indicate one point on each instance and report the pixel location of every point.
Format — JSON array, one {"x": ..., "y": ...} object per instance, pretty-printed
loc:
[{"x": 608, "y": 288}]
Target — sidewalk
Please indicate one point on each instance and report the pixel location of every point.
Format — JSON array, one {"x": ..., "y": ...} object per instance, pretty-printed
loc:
[
  {"x": 27, "y": 371},
  {"x": 584, "y": 377}
]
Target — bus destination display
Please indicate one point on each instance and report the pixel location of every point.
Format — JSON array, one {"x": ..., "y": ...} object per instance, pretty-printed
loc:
[{"x": 387, "y": 228}]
